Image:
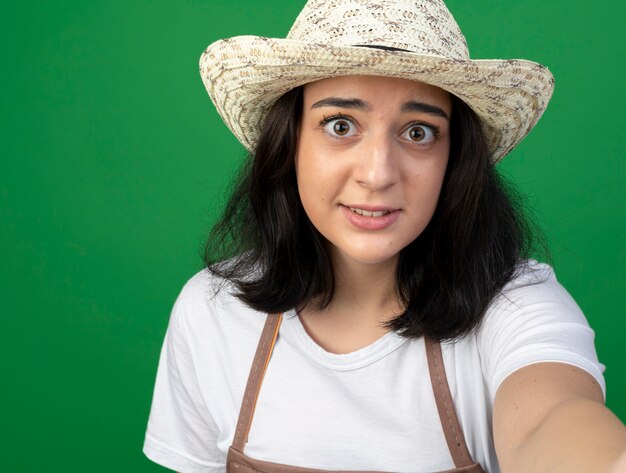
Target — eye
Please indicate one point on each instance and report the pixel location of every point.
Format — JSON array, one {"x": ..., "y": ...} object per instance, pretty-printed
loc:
[
  {"x": 420, "y": 133},
  {"x": 338, "y": 127}
]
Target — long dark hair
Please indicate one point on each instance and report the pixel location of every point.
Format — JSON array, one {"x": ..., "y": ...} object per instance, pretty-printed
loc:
[{"x": 265, "y": 245}]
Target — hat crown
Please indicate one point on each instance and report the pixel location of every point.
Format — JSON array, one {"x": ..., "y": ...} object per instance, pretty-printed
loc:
[{"x": 420, "y": 26}]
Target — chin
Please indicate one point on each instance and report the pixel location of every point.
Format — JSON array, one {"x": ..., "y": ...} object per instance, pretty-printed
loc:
[{"x": 368, "y": 256}]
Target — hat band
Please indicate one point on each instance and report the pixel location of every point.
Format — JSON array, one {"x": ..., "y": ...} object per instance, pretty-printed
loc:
[{"x": 384, "y": 48}]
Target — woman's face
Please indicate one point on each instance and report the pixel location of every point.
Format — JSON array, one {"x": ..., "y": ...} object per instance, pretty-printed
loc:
[{"x": 371, "y": 157}]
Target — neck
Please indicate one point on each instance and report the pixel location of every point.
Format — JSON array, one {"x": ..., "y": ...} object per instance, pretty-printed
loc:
[
  {"x": 365, "y": 298},
  {"x": 363, "y": 292},
  {"x": 365, "y": 288}
]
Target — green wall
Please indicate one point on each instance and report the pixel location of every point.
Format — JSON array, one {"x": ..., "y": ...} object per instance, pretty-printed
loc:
[{"x": 114, "y": 166}]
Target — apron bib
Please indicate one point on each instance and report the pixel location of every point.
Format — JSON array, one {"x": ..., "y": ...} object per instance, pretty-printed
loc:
[{"x": 238, "y": 462}]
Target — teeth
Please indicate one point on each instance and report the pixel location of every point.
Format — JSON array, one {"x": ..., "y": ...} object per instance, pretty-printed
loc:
[{"x": 367, "y": 213}]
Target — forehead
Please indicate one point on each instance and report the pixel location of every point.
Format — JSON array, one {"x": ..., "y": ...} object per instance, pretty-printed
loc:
[{"x": 375, "y": 89}]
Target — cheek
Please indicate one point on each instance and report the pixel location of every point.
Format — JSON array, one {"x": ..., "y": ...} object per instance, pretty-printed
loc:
[
  {"x": 434, "y": 184},
  {"x": 424, "y": 189},
  {"x": 314, "y": 171},
  {"x": 321, "y": 181},
  {"x": 308, "y": 183},
  {"x": 314, "y": 186},
  {"x": 303, "y": 174}
]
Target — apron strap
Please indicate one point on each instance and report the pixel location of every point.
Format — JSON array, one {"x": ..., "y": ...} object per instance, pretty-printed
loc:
[
  {"x": 255, "y": 379},
  {"x": 443, "y": 399},
  {"x": 445, "y": 406}
]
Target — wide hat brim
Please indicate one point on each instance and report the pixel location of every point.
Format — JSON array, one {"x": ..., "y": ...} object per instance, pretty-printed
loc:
[{"x": 245, "y": 75}]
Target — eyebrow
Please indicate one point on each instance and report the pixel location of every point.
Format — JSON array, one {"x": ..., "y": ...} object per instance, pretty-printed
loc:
[
  {"x": 358, "y": 104},
  {"x": 414, "y": 106},
  {"x": 342, "y": 103}
]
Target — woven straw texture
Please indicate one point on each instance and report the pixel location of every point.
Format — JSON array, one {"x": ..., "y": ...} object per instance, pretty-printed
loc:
[{"x": 245, "y": 75}]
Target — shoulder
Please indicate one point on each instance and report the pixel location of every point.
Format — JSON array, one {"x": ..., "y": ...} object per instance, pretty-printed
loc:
[
  {"x": 203, "y": 289},
  {"x": 206, "y": 356},
  {"x": 207, "y": 302},
  {"x": 534, "y": 320},
  {"x": 533, "y": 291}
]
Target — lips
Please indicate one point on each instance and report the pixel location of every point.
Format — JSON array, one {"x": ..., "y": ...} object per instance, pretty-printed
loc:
[
  {"x": 369, "y": 217},
  {"x": 367, "y": 213}
]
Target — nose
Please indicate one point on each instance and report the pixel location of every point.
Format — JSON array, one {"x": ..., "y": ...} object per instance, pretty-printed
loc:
[{"x": 376, "y": 168}]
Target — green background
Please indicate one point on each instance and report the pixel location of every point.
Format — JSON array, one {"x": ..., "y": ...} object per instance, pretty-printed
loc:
[{"x": 114, "y": 164}]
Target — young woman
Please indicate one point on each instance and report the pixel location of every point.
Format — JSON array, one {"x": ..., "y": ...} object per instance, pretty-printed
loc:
[{"x": 368, "y": 304}]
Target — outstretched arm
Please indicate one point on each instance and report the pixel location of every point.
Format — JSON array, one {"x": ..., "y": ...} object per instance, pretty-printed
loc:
[{"x": 550, "y": 417}]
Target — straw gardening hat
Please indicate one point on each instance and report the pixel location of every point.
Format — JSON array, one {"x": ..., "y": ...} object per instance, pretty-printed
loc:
[{"x": 409, "y": 39}]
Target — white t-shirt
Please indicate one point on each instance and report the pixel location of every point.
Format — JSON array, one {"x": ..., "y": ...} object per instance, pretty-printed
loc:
[{"x": 372, "y": 409}]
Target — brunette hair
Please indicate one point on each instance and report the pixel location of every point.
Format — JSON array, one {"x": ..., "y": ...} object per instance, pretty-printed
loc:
[{"x": 265, "y": 245}]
